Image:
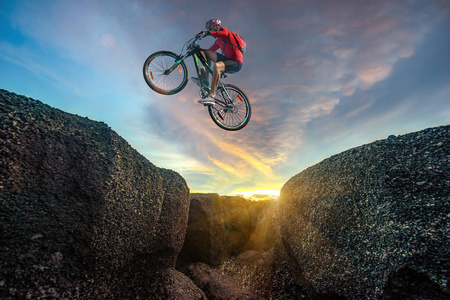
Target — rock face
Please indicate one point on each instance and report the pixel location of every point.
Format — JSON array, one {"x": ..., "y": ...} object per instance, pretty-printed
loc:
[
  {"x": 227, "y": 247},
  {"x": 221, "y": 227},
  {"x": 216, "y": 284},
  {"x": 372, "y": 221},
  {"x": 83, "y": 215}
]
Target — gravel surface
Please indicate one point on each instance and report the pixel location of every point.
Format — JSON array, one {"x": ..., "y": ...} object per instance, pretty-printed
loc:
[
  {"x": 83, "y": 215},
  {"x": 372, "y": 220}
]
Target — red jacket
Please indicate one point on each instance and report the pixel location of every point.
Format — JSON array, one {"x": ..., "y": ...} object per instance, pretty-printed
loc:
[{"x": 229, "y": 50}]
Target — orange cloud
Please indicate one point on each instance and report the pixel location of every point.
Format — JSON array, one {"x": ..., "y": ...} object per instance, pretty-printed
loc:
[
  {"x": 244, "y": 155},
  {"x": 223, "y": 166}
]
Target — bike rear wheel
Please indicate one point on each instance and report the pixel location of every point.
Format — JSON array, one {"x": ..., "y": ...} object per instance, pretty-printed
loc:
[
  {"x": 158, "y": 76},
  {"x": 231, "y": 110}
]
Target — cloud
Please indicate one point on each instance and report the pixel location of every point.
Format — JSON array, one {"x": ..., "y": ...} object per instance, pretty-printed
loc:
[
  {"x": 30, "y": 61},
  {"x": 371, "y": 72},
  {"x": 306, "y": 61},
  {"x": 224, "y": 166}
]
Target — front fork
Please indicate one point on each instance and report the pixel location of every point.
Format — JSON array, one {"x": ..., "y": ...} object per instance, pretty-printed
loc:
[{"x": 175, "y": 65}]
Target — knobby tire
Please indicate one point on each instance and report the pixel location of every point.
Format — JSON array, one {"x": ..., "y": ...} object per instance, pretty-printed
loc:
[{"x": 166, "y": 84}]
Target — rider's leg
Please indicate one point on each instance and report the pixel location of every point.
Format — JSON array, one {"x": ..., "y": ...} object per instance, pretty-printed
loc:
[{"x": 219, "y": 67}]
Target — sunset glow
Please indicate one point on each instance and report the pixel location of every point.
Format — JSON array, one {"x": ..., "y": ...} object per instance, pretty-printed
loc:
[{"x": 260, "y": 194}]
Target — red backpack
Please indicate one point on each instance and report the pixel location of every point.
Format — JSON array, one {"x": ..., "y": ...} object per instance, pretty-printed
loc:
[{"x": 239, "y": 42}]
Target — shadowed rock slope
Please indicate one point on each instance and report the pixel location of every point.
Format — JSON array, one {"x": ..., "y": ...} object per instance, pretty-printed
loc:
[
  {"x": 372, "y": 221},
  {"x": 83, "y": 215},
  {"x": 222, "y": 227},
  {"x": 227, "y": 246}
]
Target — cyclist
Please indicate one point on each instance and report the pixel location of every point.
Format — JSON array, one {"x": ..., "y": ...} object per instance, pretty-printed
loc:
[{"x": 230, "y": 60}]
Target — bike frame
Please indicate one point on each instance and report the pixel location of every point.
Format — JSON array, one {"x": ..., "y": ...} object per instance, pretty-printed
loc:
[{"x": 199, "y": 60}]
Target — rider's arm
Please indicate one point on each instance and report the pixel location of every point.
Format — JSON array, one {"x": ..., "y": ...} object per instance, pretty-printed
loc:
[
  {"x": 222, "y": 33},
  {"x": 215, "y": 46}
]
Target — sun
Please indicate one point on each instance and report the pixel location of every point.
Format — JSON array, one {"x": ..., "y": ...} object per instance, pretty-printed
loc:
[{"x": 259, "y": 194}]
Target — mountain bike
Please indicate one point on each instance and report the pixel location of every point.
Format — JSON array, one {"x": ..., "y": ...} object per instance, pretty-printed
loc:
[{"x": 166, "y": 73}]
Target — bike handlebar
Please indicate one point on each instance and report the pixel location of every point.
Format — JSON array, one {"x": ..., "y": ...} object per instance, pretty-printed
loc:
[
  {"x": 192, "y": 44},
  {"x": 197, "y": 38},
  {"x": 205, "y": 33}
]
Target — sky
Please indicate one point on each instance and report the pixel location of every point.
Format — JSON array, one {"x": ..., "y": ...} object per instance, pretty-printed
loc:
[{"x": 322, "y": 77}]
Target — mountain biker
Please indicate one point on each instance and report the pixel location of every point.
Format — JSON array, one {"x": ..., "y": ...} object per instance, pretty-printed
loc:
[{"x": 230, "y": 60}]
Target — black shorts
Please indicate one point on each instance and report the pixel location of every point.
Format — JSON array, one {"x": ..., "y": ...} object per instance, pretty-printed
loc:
[{"x": 231, "y": 65}]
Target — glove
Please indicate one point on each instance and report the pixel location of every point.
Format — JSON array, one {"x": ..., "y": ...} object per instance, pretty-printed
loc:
[{"x": 203, "y": 34}]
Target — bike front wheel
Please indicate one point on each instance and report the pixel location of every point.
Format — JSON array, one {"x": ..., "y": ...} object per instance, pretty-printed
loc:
[
  {"x": 231, "y": 110},
  {"x": 165, "y": 73}
]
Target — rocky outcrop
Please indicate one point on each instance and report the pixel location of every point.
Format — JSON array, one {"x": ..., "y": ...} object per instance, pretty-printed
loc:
[
  {"x": 216, "y": 284},
  {"x": 83, "y": 215},
  {"x": 228, "y": 246},
  {"x": 371, "y": 222},
  {"x": 221, "y": 227}
]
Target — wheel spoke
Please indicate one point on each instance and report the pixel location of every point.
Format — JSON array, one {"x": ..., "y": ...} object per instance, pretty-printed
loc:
[
  {"x": 232, "y": 110},
  {"x": 155, "y": 69}
]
